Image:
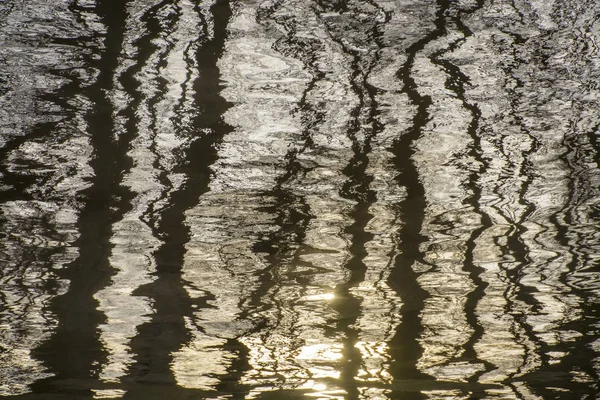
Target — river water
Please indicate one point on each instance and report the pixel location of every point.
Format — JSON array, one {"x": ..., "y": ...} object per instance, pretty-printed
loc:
[{"x": 285, "y": 199}]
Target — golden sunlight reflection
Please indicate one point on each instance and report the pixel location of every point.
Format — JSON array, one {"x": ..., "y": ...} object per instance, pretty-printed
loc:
[
  {"x": 198, "y": 365},
  {"x": 322, "y": 391},
  {"x": 321, "y": 352},
  {"x": 320, "y": 296},
  {"x": 376, "y": 360}
]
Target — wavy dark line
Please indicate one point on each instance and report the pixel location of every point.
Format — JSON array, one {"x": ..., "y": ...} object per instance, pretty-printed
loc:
[
  {"x": 456, "y": 82},
  {"x": 181, "y": 123},
  {"x": 28, "y": 252},
  {"x": 404, "y": 347},
  {"x": 22, "y": 258},
  {"x": 168, "y": 27},
  {"x": 570, "y": 236},
  {"x": 166, "y": 332},
  {"x": 74, "y": 349},
  {"x": 536, "y": 379},
  {"x": 576, "y": 354},
  {"x": 159, "y": 27},
  {"x": 357, "y": 188},
  {"x": 293, "y": 213},
  {"x": 515, "y": 245},
  {"x": 591, "y": 306},
  {"x": 594, "y": 138},
  {"x": 15, "y": 182},
  {"x": 5, "y": 11}
]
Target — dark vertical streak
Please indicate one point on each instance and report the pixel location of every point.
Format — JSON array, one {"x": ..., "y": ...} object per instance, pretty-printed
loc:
[
  {"x": 404, "y": 347},
  {"x": 571, "y": 235},
  {"x": 357, "y": 185},
  {"x": 157, "y": 27},
  {"x": 578, "y": 227},
  {"x": 167, "y": 25},
  {"x": 577, "y": 354},
  {"x": 181, "y": 123},
  {"x": 456, "y": 82},
  {"x": 27, "y": 270},
  {"x": 283, "y": 247},
  {"x": 514, "y": 246},
  {"x": 293, "y": 213},
  {"x": 74, "y": 350},
  {"x": 74, "y": 353},
  {"x": 166, "y": 333}
]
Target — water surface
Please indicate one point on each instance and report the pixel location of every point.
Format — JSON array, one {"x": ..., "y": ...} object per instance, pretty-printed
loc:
[{"x": 285, "y": 199}]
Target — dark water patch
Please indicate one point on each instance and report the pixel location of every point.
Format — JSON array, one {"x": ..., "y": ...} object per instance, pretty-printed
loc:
[{"x": 338, "y": 6}]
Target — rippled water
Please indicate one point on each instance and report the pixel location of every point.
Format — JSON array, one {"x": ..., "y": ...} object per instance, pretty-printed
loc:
[{"x": 279, "y": 199}]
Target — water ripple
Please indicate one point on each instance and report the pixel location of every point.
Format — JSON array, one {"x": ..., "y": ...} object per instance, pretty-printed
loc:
[{"x": 286, "y": 199}]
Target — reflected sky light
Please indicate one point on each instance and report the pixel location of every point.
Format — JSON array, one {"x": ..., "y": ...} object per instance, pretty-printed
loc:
[{"x": 299, "y": 199}]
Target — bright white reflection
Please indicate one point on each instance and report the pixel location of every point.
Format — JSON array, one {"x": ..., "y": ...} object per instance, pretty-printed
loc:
[
  {"x": 319, "y": 357},
  {"x": 320, "y": 297},
  {"x": 198, "y": 365},
  {"x": 321, "y": 351},
  {"x": 375, "y": 362},
  {"x": 322, "y": 391},
  {"x": 108, "y": 393},
  {"x": 445, "y": 394}
]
